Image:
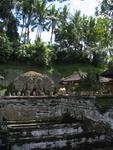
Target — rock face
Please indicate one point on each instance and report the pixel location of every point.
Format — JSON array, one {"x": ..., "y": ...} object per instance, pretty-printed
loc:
[{"x": 29, "y": 81}]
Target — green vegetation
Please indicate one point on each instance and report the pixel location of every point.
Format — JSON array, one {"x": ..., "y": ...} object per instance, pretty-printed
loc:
[
  {"x": 77, "y": 38},
  {"x": 62, "y": 69},
  {"x": 104, "y": 103},
  {"x": 80, "y": 43}
]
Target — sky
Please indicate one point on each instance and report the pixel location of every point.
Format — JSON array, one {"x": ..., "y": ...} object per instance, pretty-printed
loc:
[{"x": 86, "y": 7}]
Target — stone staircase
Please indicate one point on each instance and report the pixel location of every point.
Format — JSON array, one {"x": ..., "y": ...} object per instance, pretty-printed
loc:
[{"x": 52, "y": 135}]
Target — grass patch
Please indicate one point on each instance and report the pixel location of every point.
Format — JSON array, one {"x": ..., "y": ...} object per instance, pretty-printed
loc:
[
  {"x": 104, "y": 104},
  {"x": 62, "y": 69},
  {"x": 67, "y": 69},
  {"x": 24, "y": 67}
]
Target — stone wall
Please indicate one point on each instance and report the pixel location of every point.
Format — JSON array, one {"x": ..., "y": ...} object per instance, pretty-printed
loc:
[
  {"x": 28, "y": 108},
  {"x": 41, "y": 128}
]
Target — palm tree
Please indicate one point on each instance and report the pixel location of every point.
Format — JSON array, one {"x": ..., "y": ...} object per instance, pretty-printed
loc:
[
  {"x": 39, "y": 17},
  {"x": 53, "y": 18},
  {"x": 76, "y": 31},
  {"x": 62, "y": 26},
  {"x": 64, "y": 14},
  {"x": 24, "y": 12}
]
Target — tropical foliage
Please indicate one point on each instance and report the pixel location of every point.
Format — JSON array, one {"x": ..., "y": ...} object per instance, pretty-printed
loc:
[
  {"x": 5, "y": 48},
  {"x": 74, "y": 37}
]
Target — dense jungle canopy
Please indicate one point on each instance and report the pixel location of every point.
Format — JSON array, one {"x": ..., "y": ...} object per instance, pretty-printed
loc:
[{"x": 75, "y": 38}]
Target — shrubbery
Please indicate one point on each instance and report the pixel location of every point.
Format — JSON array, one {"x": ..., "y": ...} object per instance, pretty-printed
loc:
[
  {"x": 37, "y": 53},
  {"x": 41, "y": 53},
  {"x": 5, "y": 48}
]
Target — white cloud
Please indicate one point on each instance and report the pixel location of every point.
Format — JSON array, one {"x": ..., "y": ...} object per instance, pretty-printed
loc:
[{"x": 87, "y": 7}]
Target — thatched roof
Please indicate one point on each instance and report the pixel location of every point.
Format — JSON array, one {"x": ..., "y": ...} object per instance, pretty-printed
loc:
[{"x": 75, "y": 77}]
